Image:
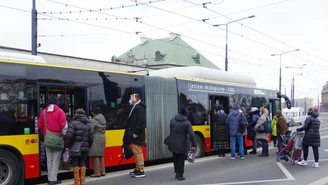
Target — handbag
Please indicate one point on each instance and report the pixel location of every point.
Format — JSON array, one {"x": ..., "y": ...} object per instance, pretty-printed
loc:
[
  {"x": 75, "y": 149},
  {"x": 52, "y": 141},
  {"x": 166, "y": 140}
]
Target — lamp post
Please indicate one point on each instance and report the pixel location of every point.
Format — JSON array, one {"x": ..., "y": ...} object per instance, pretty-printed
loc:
[
  {"x": 280, "y": 64},
  {"x": 293, "y": 81},
  {"x": 226, "y": 48}
]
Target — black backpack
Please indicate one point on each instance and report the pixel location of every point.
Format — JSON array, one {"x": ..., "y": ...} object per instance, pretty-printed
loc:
[{"x": 241, "y": 126}]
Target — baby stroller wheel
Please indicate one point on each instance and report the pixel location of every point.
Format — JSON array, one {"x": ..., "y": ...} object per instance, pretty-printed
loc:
[{"x": 278, "y": 159}]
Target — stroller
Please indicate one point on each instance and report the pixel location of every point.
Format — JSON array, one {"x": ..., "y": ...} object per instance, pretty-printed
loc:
[{"x": 291, "y": 149}]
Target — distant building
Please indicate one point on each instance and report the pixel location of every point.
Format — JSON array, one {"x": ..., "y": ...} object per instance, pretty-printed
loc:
[
  {"x": 324, "y": 98},
  {"x": 164, "y": 53},
  {"x": 305, "y": 103}
]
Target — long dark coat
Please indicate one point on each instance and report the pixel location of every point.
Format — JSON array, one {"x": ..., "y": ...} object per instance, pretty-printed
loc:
[
  {"x": 311, "y": 128},
  {"x": 180, "y": 129},
  {"x": 221, "y": 129},
  {"x": 75, "y": 133},
  {"x": 98, "y": 128},
  {"x": 136, "y": 124}
]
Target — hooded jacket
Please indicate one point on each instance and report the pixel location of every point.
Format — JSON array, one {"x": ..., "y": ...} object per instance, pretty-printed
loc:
[
  {"x": 76, "y": 131},
  {"x": 136, "y": 124},
  {"x": 56, "y": 120},
  {"x": 180, "y": 129},
  {"x": 233, "y": 122},
  {"x": 311, "y": 128},
  {"x": 98, "y": 128}
]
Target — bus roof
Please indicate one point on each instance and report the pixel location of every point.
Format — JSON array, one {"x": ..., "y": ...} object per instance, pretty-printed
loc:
[
  {"x": 21, "y": 57},
  {"x": 202, "y": 73}
]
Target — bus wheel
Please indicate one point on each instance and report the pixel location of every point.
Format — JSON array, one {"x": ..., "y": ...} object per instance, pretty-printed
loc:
[
  {"x": 200, "y": 147},
  {"x": 8, "y": 166}
]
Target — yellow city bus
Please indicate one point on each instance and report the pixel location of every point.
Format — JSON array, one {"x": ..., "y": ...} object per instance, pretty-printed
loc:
[{"x": 26, "y": 83}]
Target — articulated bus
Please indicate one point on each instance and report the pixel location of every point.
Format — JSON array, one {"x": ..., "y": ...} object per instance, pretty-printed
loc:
[{"x": 26, "y": 83}]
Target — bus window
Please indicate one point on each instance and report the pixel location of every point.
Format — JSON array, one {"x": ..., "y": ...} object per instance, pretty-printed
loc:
[
  {"x": 17, "y": 107},
  {"x": 112, "y": 96},
  {"x": 197, "y": 107}
]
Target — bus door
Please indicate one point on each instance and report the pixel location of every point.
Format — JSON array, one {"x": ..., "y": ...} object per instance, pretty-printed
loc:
[
  {"x": 214, "y": 101},
  {"x": 274, "y": 106},
  {"x": 74, "y": 97}
]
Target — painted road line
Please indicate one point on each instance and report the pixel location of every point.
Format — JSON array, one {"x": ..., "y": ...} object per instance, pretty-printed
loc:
[
  {"x": 322, "y": 181},
  {"x": 282, "y": 168}
]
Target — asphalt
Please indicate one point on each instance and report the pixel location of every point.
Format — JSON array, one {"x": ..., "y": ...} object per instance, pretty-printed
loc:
[{"x": 214, "y": 170}]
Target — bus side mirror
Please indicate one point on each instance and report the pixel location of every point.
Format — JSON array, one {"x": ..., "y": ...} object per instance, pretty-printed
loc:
[{"x": 287, "y": 100}]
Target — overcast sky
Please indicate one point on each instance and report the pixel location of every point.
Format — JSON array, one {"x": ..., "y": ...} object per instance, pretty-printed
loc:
[{"x": 278, "y": 26}]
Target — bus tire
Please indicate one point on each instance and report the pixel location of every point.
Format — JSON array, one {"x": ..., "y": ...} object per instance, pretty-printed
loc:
[
  {"x": 200, "y": 147},
  {"x": 9, "y": 166}
]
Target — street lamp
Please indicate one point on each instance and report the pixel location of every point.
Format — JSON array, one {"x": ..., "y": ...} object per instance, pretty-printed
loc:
[
  {"x": 226, "y": 49},
  {"x": 293, "y": 81},
  {"x": 280, "y": 64}
]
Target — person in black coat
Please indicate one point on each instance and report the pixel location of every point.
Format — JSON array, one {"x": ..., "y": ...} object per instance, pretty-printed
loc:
[
  {"x": 79, "y": 130},
  {"x": 135, "y": 133},
  {"x": 311, "y": 138},
  {"x": 180, "y": 129},
  {"x": 221, "y": 131},
  {"x": 253, "y": 116}
]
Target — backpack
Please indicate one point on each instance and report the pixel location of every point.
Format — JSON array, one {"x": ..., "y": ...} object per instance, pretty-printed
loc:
[
  {"x": 241, "y": 125},
  {"x": 126, "y": 152}
]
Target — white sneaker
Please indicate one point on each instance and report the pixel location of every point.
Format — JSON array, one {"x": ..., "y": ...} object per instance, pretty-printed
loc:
[
  {"x": 315, "y": 165},
  {"x": 302, "y": 163},
  {"x": 242, "y": 158},
  {"x": 232, "y": 158}
]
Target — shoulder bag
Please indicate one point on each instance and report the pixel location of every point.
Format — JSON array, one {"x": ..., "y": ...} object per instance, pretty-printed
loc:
[
  {"x": 52, "y": 141},
  {"x": 166, "y": 141},
  {"x": 75, "y": 149}
]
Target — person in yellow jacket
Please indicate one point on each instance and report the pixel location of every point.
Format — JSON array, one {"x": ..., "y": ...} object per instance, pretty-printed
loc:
[{"x": 274, "y": 131}]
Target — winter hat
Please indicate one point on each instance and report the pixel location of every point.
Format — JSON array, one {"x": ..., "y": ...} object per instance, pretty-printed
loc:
[
  {"x": 253, "y": 109},
  {"x": 80, "y": 111},
  {"x": 279, "y": 113},
  {"x": 184, "y": 112},
  {"x": 96, "y": 110},
  {"x": 235, "y": 106},
  {"x": 53, "y": 100}
]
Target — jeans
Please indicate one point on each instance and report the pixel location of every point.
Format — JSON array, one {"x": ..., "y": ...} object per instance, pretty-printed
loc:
[
  {"x": 265, "y": 145},
  {"x": 233, "y": 147},
  {"x": 254, "y": 145},
  {"x": 78, "y": 161}
]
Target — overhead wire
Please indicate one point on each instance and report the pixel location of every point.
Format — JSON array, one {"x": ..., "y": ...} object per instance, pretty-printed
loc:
[
  {"x": 266, "y": 35},
  {"x": 103, "y": 9},
  {"x": 17, "y": 9}
]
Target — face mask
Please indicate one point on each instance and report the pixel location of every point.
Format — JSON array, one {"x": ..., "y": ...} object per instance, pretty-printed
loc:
[{"x": 130, "y": 102}]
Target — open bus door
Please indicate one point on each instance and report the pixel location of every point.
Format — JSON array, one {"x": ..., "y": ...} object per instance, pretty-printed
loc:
[
  {"x": 287, "y": 100},
  {"x": 74, "y": 97}
]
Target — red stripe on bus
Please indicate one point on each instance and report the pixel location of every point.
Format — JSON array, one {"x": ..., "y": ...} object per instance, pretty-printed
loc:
[
  {"x": 207, "y": 144},
  {"x": 31, "y": 165},
  {"x": 113, "y": 156}
]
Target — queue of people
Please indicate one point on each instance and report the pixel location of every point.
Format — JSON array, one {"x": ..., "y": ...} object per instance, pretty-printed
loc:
[{"x": 89, "y": 136}]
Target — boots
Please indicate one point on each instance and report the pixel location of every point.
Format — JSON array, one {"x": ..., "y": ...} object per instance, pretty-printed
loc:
[
  {"x": 76, "y": 171},
  {"x": 83, "y": 172}
]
